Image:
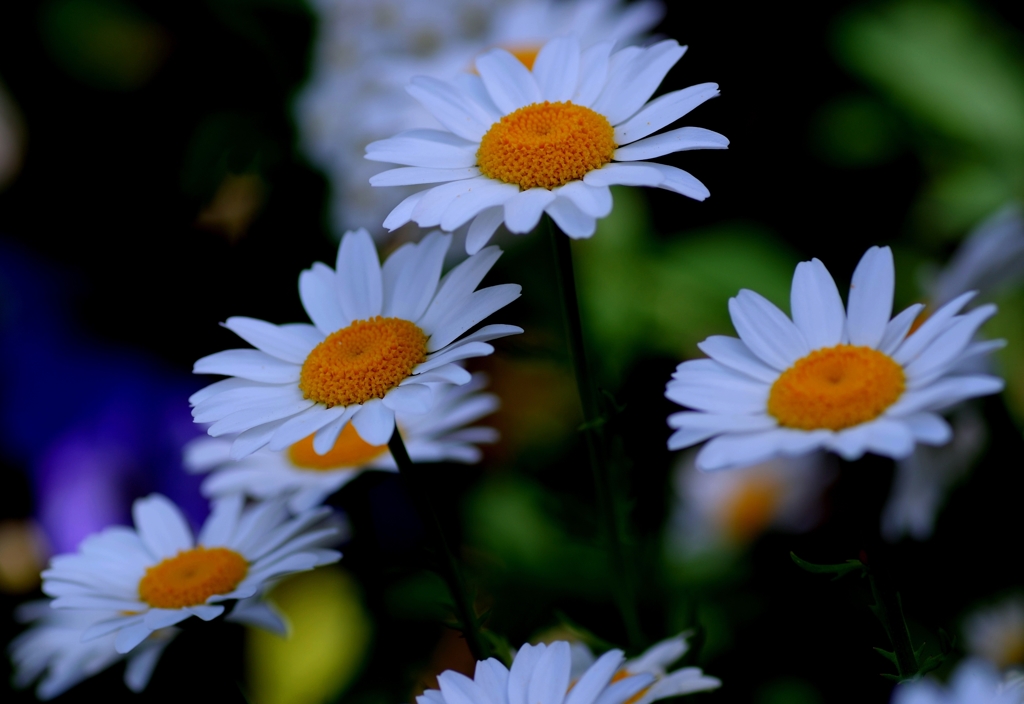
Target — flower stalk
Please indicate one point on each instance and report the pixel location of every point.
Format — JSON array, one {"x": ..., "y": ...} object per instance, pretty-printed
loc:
[
  {"x": 447, "y": 566},
  {"x": 613, "y": 529}
]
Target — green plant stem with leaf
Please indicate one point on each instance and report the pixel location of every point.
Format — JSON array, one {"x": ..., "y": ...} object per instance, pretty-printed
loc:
[
  {"x": 597, "y": 446},
  {"x": 447, "y": 564}
]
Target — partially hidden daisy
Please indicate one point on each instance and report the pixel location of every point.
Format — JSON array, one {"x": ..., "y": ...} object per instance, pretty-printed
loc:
[
  {"x": 655, "y": 661},
  {"x": 381, "y": 337},
  {"x": 973, "y": 682},
  {"x": 157, "y": 575},
  {"x": 996, "y": 632},
  {"x": 521, "y": 142},
  {"x": 848, "y": 380},
  {"x": 307, "y": 478},
  {"x": 540, "y": 674}
]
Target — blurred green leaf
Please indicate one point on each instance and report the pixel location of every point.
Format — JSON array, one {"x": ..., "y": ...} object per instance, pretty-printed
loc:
[
  {"x": 788, "y": 690},
  {"x": 641, "y": 295},
  {"x": 422, "y": 596},
  {"x": 1009, "y": 325},
  {"x": 856, "y": 130},
  {"x": 945, "y": 63},
  {"x": 964, "y": 192},
  {"x": 105, "y": 43}
]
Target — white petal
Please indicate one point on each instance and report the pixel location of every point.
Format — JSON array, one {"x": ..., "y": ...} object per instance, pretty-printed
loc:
[
  {"x": 219, "y": 387},
  {"x": 897, "y": 329},
  {"x": 616, "y": 174},
  {"x": 303, "y": 425},
  {"x": 271, "y": 339},
  {"x": 401, "y": 214},
  {"x": 625, "y": 689},
  {"x": 557, "y": 68},
  {"x": 484, "y": 194},
  {"x": 521, "y": 671},
  {"x": 593, "y": 73},
  {"x": 220, "y": 525},
  {"x": 944, "y": 393},
  {"x": 663, "y": 111},
  {"x": 766, "y": 330},
  {"x": 156, "y": 619},
  {"x": 483, "y": 228},
  {"x": 817, "y": 307},
  {"x": 728, "y": 451},
  {"x": 160, "y": 525},
  {"x": 570, "y": 219},
  {"x": 478, "y": 306},
  {"x": 250, "y": 418},
  {"x": 679, "y": 181},
  {"x": 446, "y": 373},
  {"x": 491, "y": 332},
  {"x": 945, "y": 351},
  {"x": 411, "y": 398},
  {"x": 594, "y": 201},
  {"x": 417, "y": 175},
  {"x": 891, "y": 438},
  {"x": 871, "y": 292},
  {"x": 732, "y": 353},
  {"x": 431, "y": 207},
  {"x": 931, "y": 328},
  {"x": 509, "y": 83},
  {"x": 707, "y": 386},
  {"x": 685, "y": 681},
  {"x": 459, "y": 689},
  {"x": 320, "y": 299},
  {"x": 475, "y": 92},
  {"x": 253, "y": 439},
  {"x": 374, "y": 422},
  {"x": 632, "y": 84},
  {"x": 550, "y": 679},
  {"x": 473, "y": 349},
  {"x": 327, "y": 436},
  {"x": 449, "y": 106},
  {"x": 595, "y": 679},
  {"x": 130, "y": 636},
  {"x": 678, "y": 140},
  {"x": 523, "y": 210},
  {"x": 248, "y": 364},
  {"x": 929, "y": 428},
  {"x": 415, "y": 284},
  {"x": 360, "y": 291},
  {"x": 240, "y": 399},
  {"x": 457, "y": 285},
  {"x": 427, "y": 148}
]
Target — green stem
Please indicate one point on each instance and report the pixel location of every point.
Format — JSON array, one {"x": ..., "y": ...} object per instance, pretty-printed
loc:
[
  {"x": 890, "y": 612},
  {"x": 449, "y": 570},
  {"x": 594, "y": 435}
]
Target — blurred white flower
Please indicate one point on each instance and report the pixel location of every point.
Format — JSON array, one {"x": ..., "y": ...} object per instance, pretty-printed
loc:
[
  {"x": 654, "y": 661},
  {"x": 973, "y": 682},
  {"x": 991, "y": 258},
  {"x": 996, "y": 633},
  {"x": 367, "y": 51},
  {"x": 715, "y": 510}
]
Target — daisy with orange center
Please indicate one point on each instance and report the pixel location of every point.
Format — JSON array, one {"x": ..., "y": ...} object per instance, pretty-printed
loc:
[
  {"x": 383, "y": 338},
  {"x": 520, "y": 142},
  {"x": 157, "y": 575},
  {"x": 307, "y": 478},
  {"x": 847, "y": 379}
]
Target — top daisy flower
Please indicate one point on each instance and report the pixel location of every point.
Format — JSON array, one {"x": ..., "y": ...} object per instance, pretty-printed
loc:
[
  {"x": 851, "y": 381},
  {"x": 522, "y": 142},
  {"x": 381, "y": 337}
]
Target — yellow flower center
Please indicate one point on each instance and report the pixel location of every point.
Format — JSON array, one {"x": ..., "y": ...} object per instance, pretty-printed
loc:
[
  {"x": 835, "y": 388},
  {"x": 751, "y": 509},
  {"x": 350, "y": 450},
  {"x": 546, "y": 145},
  {"x": 191, "y": 577},
  {"x": 526, "y": 53},
  {"x": 363, "y": 361}
]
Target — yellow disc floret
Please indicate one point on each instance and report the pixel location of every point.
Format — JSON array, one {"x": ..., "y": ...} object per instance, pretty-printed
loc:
[
  {"x": 349, "y": 450},
  {"x": 546, "y": 145},
  {"x": 191, "y": 577},
  {"x": 363, "y": 361},
  {"x": 835, "y": 388}
]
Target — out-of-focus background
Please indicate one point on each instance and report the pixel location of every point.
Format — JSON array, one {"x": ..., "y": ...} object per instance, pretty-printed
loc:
[{"x": 152, "y": 184}]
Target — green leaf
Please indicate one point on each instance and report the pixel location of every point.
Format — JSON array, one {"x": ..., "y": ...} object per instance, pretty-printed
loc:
[
  {"x": 838, "y": 570},
  {"x": 887, "y": 654}
]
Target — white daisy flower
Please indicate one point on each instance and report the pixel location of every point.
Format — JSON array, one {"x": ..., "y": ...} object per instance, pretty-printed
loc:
[
  {"x": 729, "y": 509},
  {"x": 851, "y": 381},
  {"x": 52, "y": 651},
  {"x": 973, "y": 682},
  {"x": 157, "y": 575},
  {"x": 308, "y": 478},
  {"x": 655, "y": 661},
  {"x": 519, "y": 143},
  {"x": 367, "y": 51},
  {"x": 540, "y": 674},
  {"x": 991, "y": 258},
  {"x": 996, "y": 633},
  {"x": 381, "y": 337}
]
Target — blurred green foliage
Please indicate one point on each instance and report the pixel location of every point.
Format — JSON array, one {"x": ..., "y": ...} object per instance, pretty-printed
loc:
[
  {"x": 857, "y": 130},
  {"x": 105, "y": 43},
  {"x": 958, "y": 76},
  {"x": 642, "y": 295}
]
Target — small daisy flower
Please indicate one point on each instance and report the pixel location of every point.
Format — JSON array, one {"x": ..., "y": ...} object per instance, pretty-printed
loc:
[
  {"x": 973, "y": 682},
  {"x": 655, "y": 661},
  {"x": 730, "y": 509},
  {"x": 52, "y": 651},
  {"x": 521, "y": 142},
  {"x": 157, "y": 575},
  {"x": 996, "y": 633},
  {"x": 367, "y": 51},
  {"x": 848, "y": 380},
  {"x": 308, "y": 478},
  {"x": 540, "y": 674},
  {"x": 381, "y": 337}
]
